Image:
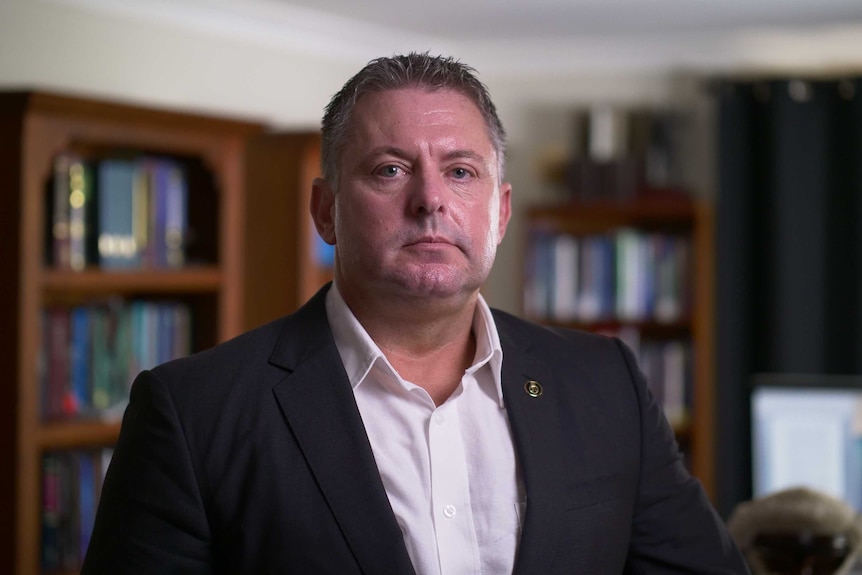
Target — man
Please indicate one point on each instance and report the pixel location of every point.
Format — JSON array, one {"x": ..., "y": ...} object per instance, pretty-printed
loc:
[{"x": 395, "y": 423}]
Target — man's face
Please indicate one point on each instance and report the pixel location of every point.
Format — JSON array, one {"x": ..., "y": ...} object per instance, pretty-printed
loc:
[{"x": 419, "y": 210}]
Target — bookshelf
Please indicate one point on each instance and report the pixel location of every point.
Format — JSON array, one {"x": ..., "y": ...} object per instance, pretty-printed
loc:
[
  {"x": 284, "y": 262},
  {"x": 564, "y": 239},
  {"x": 35, "y": 129}
]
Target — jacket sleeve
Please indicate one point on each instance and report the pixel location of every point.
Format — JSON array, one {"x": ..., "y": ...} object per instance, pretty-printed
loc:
[
  {"x": 151, "y": 517},
  {"x": 675, "y": 528}
]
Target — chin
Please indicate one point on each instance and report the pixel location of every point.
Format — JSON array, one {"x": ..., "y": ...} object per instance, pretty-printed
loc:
[{"x": 435, "y": 284}]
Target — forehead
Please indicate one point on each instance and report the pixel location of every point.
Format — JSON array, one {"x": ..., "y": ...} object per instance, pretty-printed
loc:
[{"x": 417, "y": 110}]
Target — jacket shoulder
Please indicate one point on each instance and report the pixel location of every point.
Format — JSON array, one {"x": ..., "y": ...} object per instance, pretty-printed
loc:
[{"x": 222, "y": 361}]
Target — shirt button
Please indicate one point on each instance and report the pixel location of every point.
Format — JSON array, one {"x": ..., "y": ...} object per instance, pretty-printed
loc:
[
  {"x": 439, "y": 419},
  {"x": 449, "y": 511}
]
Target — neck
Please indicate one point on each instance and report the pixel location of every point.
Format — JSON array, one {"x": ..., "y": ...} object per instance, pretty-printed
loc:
[
  {"x": 437, "y": 370},
  {"x": 430, "y": 346}
]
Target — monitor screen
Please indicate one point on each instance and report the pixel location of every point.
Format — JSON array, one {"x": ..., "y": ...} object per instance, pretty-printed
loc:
[{"x": 807, "y": 431}]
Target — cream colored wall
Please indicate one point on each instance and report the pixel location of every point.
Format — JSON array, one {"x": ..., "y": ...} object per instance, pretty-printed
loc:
[
  {"x": 67, "y": 47},
  {"x": 60, "y": 46}
]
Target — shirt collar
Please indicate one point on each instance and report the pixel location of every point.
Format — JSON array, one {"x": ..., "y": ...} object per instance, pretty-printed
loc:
[{"x": 359, "y": 352}]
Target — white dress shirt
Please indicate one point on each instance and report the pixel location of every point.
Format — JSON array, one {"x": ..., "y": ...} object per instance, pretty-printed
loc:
[{"x": 449, "y": 471}]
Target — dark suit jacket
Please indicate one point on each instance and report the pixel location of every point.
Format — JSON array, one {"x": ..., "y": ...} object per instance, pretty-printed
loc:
[{"x": 252, "y": 458}]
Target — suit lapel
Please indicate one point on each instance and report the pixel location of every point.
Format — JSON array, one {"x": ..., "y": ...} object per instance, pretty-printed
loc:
[
  {"x": 320, "y": 409},
  {"x": 538, "y": 434}
]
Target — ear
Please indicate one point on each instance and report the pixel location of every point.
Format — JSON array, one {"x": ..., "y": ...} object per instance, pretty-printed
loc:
[
  {"x": 505, "y": 210},
  {"x": 323, "y": 209}
]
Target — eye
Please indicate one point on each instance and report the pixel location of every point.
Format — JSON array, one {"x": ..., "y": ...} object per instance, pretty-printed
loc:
[
  {"x": 389, "y": 171},
  {"x": 460, "y": 173}
]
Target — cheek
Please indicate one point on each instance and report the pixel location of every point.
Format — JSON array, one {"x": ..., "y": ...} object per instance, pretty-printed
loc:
[{"x": 360, "y": 229}]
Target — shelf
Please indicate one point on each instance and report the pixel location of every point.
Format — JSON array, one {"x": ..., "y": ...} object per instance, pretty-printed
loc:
[
  {"x": 77, "y": 433},
  {"x": 663, "y": 210},
  {"x": 188, "y": 280}
]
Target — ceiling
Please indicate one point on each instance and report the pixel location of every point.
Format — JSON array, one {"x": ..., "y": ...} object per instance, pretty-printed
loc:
[{"x": 520, "y": 36}]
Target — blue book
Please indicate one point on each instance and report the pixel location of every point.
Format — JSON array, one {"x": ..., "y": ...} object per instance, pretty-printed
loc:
[
  {"x": 116, "y": 183},
  {"x": 86, "y": 499},
  {"x": 160, "y": 174},
  {"x": 164, "y": 332},
  {"x": 175, "y": 216},
  {"x": 80, "y": 359}
]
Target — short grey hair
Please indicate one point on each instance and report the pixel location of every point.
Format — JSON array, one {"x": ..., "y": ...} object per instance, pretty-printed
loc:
[{"x": 413, "y": 70}]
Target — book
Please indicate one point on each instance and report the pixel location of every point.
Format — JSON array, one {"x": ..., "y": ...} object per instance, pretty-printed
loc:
[
  {"x": 68, "y": 511},
  {"x": 538, "y": 275},
  {"x": 589, "y": 304},
  {"x": 143, "y": 176},
  {"x": 79, "y": 396},
  {"x": 182, "y": 326},
  {"x": 60, "y": 253},
  {"x": 119, "y": 344},
  {"x": 628, "y": 275},
  {"x": 675, "y": 375},
  {"x": 175, "y": 216},
  {"x": 116, "y": 185},
  {"x": 564, "y": 305},
  {"x": 82, "y": 242},
  {"x": 71, "y": 486},
  {"x": 101, "y": 361},
  {"x": 50, "y": 512},
  {"x": 89, "y": 464},
  {"x": 58, "y": 358}
]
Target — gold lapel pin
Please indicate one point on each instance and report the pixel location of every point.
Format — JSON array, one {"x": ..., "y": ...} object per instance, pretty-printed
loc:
[{"x": 533, "y": 388}]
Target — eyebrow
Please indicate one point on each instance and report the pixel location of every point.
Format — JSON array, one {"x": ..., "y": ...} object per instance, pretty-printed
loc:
[{"x": 449, "y": 156}]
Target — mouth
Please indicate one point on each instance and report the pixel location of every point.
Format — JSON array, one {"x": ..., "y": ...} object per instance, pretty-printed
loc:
[{"x": 425, "y": 240}]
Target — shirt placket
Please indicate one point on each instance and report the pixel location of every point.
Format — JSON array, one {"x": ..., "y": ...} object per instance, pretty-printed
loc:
[{"x": 457, "y": 547}]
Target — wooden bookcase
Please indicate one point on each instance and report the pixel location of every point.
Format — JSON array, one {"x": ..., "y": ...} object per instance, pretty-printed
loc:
[
  {"x": 281, "y": 267},
  {"x": 34, "y": 129},
  {"x": 673, "y": 214}
]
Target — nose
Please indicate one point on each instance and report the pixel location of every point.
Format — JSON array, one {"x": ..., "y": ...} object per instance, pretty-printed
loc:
[{"x": 428, "y": 193}]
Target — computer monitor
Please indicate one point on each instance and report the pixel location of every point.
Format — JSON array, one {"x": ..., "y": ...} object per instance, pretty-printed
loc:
[{"x": 807, "y": 431}]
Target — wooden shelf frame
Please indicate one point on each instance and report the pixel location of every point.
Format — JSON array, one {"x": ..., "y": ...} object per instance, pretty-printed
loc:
[
  {"x": 95, "y": 281},
  {"x": 34, "y": 128}
]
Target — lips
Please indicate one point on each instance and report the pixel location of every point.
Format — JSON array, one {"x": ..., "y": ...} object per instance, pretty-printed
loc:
[{"x": 430, "y": 240}]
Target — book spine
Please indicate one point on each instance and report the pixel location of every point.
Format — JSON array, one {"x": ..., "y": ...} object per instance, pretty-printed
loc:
[
  {"x": 117, "y": 247},
  {"x": 59, "y": 334},
  {"x": 142, "y": 210},
  {"x": 87, "y": 499},
  {"x": 50, "y": 512},
  {"x": 60, "y": 215},
  {"x": 68, "y": 503},
  {"x": 81, "y": 339},
  {"x": 79, "y": 196},
  {"x": 176, "y": 225},
  {"x": 674, "y": 357},
  {"x": 160, "y": 209},
  {"x": 101, "y": 367},
  {"x": 565, "y": 277}
]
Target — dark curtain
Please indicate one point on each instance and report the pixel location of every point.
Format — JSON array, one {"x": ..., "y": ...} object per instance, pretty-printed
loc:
[{"x": 789, "y": 247}]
